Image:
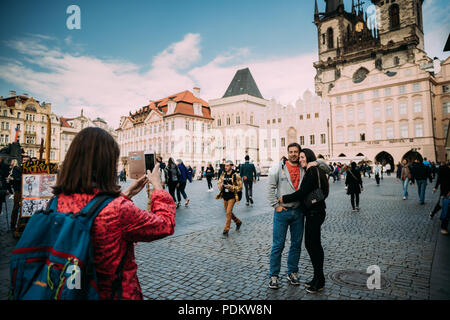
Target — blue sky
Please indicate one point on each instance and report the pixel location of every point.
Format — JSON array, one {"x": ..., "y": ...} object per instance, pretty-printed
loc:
[{"x": 128, "y": 52}]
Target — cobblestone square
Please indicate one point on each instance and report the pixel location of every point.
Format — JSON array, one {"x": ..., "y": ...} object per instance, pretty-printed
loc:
[{"x": 198, "y": 263}]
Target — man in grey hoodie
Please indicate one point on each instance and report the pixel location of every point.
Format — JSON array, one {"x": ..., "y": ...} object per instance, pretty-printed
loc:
[{"x": 285, "y": 178}]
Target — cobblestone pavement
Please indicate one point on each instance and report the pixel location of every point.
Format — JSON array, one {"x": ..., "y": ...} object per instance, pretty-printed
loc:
[{"x": 197, "y": 263}]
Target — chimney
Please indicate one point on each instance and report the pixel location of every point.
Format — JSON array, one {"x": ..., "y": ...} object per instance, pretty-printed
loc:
[
  {"x": 12, "y": 93},
  {"x": 196, "y": 92}
]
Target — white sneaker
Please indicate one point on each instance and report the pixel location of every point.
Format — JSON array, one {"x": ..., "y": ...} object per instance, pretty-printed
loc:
[
  {"x": 444, "y": 232},
  {"x": 404, "y": 198}
]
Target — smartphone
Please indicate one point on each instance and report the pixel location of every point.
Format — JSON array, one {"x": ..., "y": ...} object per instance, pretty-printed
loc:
[
  {"x": 136, "y": 164},
  {"x": 149, "y": 161}
]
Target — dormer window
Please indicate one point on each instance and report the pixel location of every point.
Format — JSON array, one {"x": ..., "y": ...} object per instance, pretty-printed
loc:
[
  {"x": 197, "y": 109},
  {"x": 171, "y": 106}
]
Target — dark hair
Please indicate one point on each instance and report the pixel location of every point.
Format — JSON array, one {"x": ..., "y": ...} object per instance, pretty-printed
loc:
[
  {"x": 353, "y": 164},
  {"x": 91, "y": 162},
  {"x": 247, "y": 157},
  {"x": 294, "y": 144},
  {"x": 171, "y": 162},
  {"x": 309, "y": 154}
]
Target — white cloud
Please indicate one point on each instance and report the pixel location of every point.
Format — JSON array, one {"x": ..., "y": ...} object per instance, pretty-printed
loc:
[{"x": 112, "y": 88}]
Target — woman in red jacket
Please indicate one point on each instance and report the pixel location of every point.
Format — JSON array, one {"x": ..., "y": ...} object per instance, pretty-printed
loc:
[{"x": 90, "y": 168}]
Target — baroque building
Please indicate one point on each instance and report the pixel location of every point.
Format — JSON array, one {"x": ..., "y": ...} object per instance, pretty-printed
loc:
[
  {"x": 177, "y": 126},
  {"x": 25, "y": 119},
  {"x": 378, "y": 80}
]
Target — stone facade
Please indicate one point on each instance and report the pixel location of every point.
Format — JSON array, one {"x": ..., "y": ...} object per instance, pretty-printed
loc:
[{"x": 379, "y": 82}]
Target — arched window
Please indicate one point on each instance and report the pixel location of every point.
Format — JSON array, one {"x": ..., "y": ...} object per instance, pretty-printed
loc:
[
  {"x": 394, "y": 16},
  {"x": 419, "y": 13},
  {"x": 330, "y": 38},
  {"x": 348, "y": 32}
]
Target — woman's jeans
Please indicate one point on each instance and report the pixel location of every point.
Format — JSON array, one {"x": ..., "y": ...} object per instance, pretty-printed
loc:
[
  {"x": 405, "y": 187},
  {"x": 292, "y": 219},
  {"x": 353, "y": 197},
  {"x": 180, "y": 191},
  {"x": 313, "y": 243}
]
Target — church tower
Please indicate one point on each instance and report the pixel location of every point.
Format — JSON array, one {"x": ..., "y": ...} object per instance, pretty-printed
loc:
[{"x": 388, "y": 33}]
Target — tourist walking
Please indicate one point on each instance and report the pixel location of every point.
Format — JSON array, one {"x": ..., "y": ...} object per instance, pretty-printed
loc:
[
  {"x": 405, "y": 176},
  {"x": 377, "y": 170},
  {"x": 15, "y": 180},
  {"x": 173, "y": 177},
  {"x": 443, "y": 181},
  {"x": 420, "y": 173},
  {"x": 354, "y": 185},
  {"x": 314, "y": 211},
  {"x": 258, "y": 171},
  {"x": 248, "y": 175},
  {"x": 230, "y": 190},
  {"x": 185, "y": 176},
  {"x": 209, "y": 174}
]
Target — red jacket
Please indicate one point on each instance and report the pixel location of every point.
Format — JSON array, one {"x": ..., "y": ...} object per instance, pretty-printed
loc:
[{"x": 117, "y": 227}]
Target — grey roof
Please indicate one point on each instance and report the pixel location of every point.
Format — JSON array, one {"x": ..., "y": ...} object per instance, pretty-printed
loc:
[{"x": 243, "y": 83}]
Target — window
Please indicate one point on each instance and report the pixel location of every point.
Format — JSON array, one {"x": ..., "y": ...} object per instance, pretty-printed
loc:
[
  {"x": 323, "y": 38},
  {"x": 351, "y": 135},
  {"x": 308, "y": 116},
  {"x": 172, "y": 125},
  {"x": 316, "y": 115},
  {"x": 302, "y": 140},
  {"x": 322, "y": 138},
  {"x": 390, "y": 132},
  {"x": 376, "y": 112},
  {"x": 387, "y": 92},
  {"x": 350, "y": 115},
  {"x": 403, "y": 107},
  {"x": 362, "y": 136},
  {"x": 340, "y": 135},
  {"x": 283, "y": 142},
  {"x": 389, "y": 110},
  {"x": 377, "y": 133},
  {"x": 238, "y": 119},
  {"x": 375, "y": 93},
  {"x": 5, "y": 113},
  {"x": 339, "y": 116},
  {"x": 402, "y": 89},
  {"x": 18, "y": 115},
  {"x": 418, "y": 106},
  {"x": 330, "y": 38},
  {"x": 360, "y": 96},
  {"x": 251, "y": 119},
  {"x": 446, "y": 88},
  {"x": 394, "y": 16},
  {"x": 338, "y": 100},
  {"x": 446, "y": 107},
  {"x": 228, "y": 121},
  {"x": 186, "y": 147},
  {"x": 301, "y": 117},
  {"x": 274, "y": 143},
  {"x": 396, "y": 61},
  {"x": 418, "y": 129},
  {"x": 404, "y": 131},
  {"x": 194, "y": 125},
  {"x": 279, "y": 120},
  {"x": 52, "y": 155},
  {"x": 361, "y": 113},
  {"x": 268, "y": 121},
  {"x": 187, "y": 123},
  {"x": 159, "y": 127},
  {"x": 416, "y": 86},
  {"x": 219, "y": 123},
  {"x": 167, "y": 126},
  {"x": 350, "y": 98},
  {"x": 312, "y": 139},
  {"x": 273, "y": 120},
  {"x": 265, "y": 144}
]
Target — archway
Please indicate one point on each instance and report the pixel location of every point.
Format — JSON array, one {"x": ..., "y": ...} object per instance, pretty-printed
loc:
[
  {"x": 412, "y": 155},
  {"x": 342, "y": 155},
  {"x": 384, "y": 158}
]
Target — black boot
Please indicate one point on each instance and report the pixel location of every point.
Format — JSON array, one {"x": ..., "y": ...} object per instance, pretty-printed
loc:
[{"x": 317, "y": 285}]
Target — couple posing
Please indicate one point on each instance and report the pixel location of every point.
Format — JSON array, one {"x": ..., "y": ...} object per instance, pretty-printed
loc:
[{"x": 290, "y": 184}]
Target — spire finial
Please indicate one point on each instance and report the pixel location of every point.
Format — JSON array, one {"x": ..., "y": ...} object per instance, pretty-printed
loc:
[{"x": 316, "y": 8}]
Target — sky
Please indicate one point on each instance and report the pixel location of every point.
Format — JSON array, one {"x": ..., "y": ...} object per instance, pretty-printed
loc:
[{"x": 126, "y": 53}]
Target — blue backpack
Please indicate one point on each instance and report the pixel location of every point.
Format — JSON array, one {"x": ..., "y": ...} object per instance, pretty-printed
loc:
[{"x": 54, "y": 257}]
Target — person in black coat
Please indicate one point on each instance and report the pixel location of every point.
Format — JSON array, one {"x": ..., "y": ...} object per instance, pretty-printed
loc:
[
  {"x": 354, "y": 185},
  {"x": 315, "y": 216},
  {"x": 443, "y": 180}
]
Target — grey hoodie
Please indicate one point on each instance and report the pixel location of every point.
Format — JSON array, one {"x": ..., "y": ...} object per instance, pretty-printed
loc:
[{"x": 280, "y": 183}]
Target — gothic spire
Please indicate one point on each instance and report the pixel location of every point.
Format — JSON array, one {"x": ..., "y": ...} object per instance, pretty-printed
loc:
[
  {"x": 316, "y": 8},
  {"x": 353, "y": 7}
]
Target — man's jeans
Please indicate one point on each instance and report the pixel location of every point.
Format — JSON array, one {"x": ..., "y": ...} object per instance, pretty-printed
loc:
[
  {"x": 294, "y": 220},
  {"x": 405, "y": 187},
  {"x": 421, "y": 186},
  {"x": 248, "y": 184}
]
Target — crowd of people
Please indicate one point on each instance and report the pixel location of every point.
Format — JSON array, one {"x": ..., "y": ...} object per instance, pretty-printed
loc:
[{"x": 297, "y": 188}]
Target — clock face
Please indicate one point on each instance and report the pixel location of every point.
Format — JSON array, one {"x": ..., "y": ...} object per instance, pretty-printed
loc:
[{"x": 359, "y": 27}]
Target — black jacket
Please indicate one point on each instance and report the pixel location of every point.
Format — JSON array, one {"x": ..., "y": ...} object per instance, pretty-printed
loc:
[
  {"x": 419, "y": 171},
  {"x": 353, "y": 181},
  {"x": 310, "y": 183},
  {"x": 443, "y": 179}
]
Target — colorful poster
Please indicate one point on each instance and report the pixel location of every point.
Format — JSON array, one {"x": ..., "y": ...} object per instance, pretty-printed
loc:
[{"x": 30, "y": 206}]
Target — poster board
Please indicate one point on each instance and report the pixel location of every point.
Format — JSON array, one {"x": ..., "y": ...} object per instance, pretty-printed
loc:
[{"x": 38, "y": 178}]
